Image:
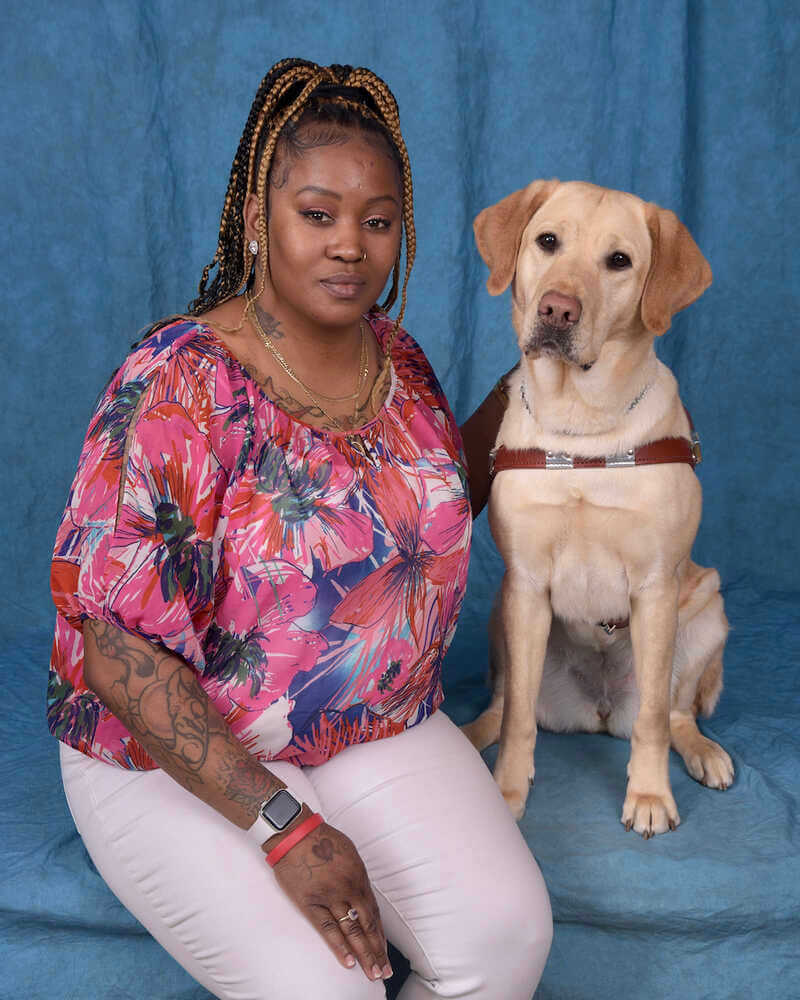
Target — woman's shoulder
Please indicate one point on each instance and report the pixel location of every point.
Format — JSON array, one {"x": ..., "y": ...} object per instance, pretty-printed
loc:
[
  {"x": 180, "y": 356},
  {"x": 384, "y": 327},
  {"x": 175, "y": 341},
  {"x": 408, "y": 359},
  {"x": 178, "y": 366}
]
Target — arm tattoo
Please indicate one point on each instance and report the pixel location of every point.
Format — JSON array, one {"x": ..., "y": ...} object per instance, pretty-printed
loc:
[
  {"x": 159, "y": 699},
  {"x": 243, "y": 783}
]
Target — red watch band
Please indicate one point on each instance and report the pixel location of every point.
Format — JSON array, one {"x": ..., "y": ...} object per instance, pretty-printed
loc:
[{"x": 289, "y": 841}]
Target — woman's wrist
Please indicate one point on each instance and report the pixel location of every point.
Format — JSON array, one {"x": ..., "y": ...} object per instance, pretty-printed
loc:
[
  {"x": 305, "y": 814},
  {"x": 292, "y": 838}
]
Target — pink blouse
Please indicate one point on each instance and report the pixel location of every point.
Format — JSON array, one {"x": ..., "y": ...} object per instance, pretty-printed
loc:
[{"x": 312, "y": 579}]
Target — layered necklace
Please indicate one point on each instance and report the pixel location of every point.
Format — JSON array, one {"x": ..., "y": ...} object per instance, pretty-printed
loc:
[{"x": 314, "y": 395}]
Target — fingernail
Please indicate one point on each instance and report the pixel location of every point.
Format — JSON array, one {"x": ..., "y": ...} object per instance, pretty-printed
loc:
[
  {"x": 376, "y": 972},
  {"x": 388, "y": 972},
  {"x": 349, "y": 961}
]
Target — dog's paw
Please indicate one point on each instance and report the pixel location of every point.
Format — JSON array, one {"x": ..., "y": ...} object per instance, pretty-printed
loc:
[
  {"x": 708, "y": 763},
  {"x": 515, "y": 801},
  {"x": 485, "y": 730},
  {"x": 515, "y": 784},
  {"x": 649, "y": 814},
  {"x": 474, "y": 733}
]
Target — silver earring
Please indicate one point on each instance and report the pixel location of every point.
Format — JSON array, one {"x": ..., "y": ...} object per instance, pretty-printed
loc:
[{"x": 252, "y": 246}]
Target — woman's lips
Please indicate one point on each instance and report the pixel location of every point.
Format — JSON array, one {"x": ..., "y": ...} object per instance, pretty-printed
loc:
[{"x": 343, "y": 286}]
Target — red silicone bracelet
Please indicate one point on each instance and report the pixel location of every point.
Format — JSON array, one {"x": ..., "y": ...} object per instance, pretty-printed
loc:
[{"x": 293, "y": 838}]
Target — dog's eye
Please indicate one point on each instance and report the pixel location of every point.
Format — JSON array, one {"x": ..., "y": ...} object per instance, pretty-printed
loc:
[
  {"x": 547, "y": 242},
  {"x": 618, "y": 261}
]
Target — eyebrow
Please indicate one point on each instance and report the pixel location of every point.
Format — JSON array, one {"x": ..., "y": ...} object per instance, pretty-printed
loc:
[{"x": 335, "y": 194}]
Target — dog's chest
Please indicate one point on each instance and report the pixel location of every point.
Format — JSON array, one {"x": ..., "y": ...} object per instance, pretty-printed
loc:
[{"x": 570, "y": 536}]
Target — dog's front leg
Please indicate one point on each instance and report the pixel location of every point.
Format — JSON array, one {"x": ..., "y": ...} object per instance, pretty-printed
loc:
[
  {"x": 649, "y": 807},
  {"x": 526, "y": 616}
]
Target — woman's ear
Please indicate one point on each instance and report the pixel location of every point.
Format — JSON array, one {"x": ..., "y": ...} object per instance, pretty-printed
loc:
[
  {"x": 250, "y": 215},
  {"x": 678, "y": 274},
  {"x": 498, "y": 231}
]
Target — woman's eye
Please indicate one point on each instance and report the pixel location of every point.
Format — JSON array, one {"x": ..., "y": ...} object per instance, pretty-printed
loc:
[
  {"x": 618, "y": 261},
  {"x": 315, "y": 215},
  {"x": 547, "y": 242},
  {"x": 378, "y": 223}
]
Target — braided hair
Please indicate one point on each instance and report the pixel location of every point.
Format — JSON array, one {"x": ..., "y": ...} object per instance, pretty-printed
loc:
[{"x": 294, "y": 94}]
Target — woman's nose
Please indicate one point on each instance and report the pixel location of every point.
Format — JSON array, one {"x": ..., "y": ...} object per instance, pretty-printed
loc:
[{"x": 346, "y": 246}]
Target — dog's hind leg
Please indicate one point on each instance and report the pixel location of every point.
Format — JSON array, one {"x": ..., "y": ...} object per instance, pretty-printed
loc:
[
  {"x": 705, "y": 760},
  {"x": 702, "y": 632},
  {"x": 485, "y": 730}
]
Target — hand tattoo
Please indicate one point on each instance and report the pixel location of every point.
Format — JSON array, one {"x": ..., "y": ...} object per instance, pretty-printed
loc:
[{"x": 325, "y": 851}]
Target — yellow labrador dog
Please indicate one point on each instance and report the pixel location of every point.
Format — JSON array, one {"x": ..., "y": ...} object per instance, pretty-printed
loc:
[{"x": 603, "y": 622}]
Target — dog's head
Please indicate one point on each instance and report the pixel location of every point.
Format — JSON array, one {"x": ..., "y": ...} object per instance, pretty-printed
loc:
[{"x": 587, "y": 264}]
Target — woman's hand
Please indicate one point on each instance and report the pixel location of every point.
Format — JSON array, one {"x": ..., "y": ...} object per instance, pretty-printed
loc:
[{"x": 324, "y": 877}]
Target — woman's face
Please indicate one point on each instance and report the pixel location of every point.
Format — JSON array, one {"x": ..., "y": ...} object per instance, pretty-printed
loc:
[{"x": 333, "y": 205}]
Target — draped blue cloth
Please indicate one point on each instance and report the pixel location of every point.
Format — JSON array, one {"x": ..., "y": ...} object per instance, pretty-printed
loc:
[{"x": 119, "y": 124}]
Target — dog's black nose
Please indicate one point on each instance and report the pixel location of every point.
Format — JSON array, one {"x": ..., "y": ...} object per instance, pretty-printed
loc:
[{"x": 560, "y": 311}]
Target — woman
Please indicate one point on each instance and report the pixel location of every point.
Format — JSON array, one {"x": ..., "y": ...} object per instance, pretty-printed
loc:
[{"x": 257, "y": 576}]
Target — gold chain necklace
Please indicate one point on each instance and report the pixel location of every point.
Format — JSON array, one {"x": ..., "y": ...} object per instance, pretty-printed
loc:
[{"x": 362, "y": 375}]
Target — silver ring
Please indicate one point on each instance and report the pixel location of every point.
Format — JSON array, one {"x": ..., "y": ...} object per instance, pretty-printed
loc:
[{"x": 350, "y": 915}]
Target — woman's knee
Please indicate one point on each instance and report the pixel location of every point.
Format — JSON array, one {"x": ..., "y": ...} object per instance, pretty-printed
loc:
[{"x": 511, "y": 945}]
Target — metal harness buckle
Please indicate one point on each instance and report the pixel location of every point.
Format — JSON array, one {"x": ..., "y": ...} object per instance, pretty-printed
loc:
[
  {"x": 622, "y": 460},
  {"x": 697, "y": 452},
  {"x": 558, "y": 460}
]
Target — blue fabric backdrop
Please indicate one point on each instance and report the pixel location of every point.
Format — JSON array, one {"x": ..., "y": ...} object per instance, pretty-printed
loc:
[{"x": 119, "y": 123}]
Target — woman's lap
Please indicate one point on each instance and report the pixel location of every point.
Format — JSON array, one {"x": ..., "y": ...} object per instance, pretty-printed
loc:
[
  {"x": 458, "y": 889},
  {"x": 200, "y": 886},
  {"x": 456, "y": 882}
]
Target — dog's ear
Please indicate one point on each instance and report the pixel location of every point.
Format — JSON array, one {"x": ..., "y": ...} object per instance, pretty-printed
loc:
[
  {"x": 678, "y": 274},
  {"x": 498, "y": 231}
]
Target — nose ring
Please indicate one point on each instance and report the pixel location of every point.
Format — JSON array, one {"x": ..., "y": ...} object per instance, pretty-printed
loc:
[{"x": 363, "y": 255}]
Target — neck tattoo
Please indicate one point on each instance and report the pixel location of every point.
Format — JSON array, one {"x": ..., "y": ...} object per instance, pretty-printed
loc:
[{"x": 363, "y": 369}]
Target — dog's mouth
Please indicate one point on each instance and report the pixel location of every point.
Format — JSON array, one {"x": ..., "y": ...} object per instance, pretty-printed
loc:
[{"x": 551, "y": 341}]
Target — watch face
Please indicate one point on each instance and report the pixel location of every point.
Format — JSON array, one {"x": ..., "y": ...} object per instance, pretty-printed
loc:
[{"x": 281, "y": 809}]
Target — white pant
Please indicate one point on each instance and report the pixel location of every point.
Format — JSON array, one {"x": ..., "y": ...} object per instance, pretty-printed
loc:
[{"x": 459, "y": 893}]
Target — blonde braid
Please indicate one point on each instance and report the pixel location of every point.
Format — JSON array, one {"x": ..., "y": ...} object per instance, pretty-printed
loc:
[
  {"x": 387, "y": 105},
  {"x": 269, "y": 151}
]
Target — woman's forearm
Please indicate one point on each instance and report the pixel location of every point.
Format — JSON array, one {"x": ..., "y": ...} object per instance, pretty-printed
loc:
[{"x": 156, "y": 695}]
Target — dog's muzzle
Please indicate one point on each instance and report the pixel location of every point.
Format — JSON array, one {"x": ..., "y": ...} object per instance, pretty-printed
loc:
[
  {"x": 551, "y": 341},
  {"x": 557, "y": 318}
]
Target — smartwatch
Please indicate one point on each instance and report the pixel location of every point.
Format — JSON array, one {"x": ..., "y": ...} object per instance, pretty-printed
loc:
[{"x": 274, "y": 815}]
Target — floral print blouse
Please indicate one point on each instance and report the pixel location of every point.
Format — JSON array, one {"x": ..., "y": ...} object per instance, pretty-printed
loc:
[{"x": 312, "y": 579}]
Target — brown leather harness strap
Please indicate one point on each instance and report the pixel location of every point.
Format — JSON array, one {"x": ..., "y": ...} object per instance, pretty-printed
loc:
[{"x": 665, "y": 451}]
